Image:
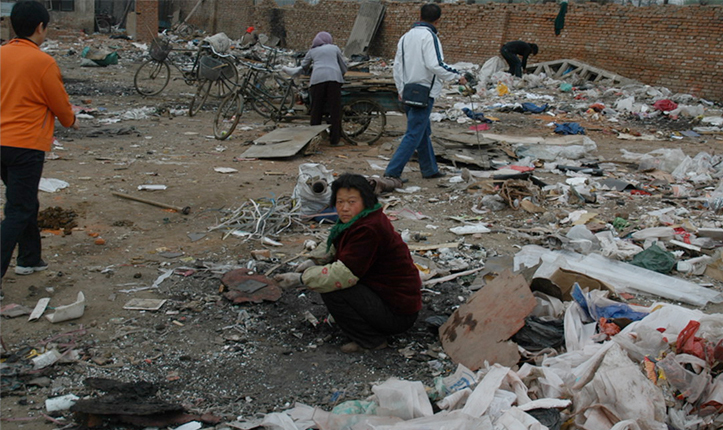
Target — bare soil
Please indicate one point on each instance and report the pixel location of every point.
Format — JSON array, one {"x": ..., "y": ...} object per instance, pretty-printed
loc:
[{"x": 201, "y": 350}]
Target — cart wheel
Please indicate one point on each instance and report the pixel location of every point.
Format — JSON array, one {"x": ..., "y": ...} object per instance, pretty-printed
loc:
[
  {"x": 363, "y": 121},
  {"x": 228, "y": 116},
  {"x": 200, "y": 97},
  {"x": 225, "y": 84},
  {"x": 152, "y": 77}
]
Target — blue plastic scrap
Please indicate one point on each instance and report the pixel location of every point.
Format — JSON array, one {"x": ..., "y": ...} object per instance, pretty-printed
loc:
[
  {"x": 531, "y": 107},
  {"x": 477, "y": 116},
  {"x": 569, "y": 128}
]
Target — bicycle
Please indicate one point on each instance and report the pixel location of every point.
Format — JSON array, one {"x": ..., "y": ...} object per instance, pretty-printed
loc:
[
  {"x": 276, "y": 98},
  {"x": 153, "y": 75}
]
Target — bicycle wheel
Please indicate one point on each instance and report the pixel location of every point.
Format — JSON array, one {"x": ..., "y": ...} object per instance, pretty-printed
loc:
[
  {"x": 200, "y": 97},
  {"x": 152, "y": 77},
  {"x": 228, "y": 80},
  {"x": 363, "y": 121},
  {"x": 271, "y": 84},
  {"x": 264, "y": 106},
  {"x": 228, "y": 116}
]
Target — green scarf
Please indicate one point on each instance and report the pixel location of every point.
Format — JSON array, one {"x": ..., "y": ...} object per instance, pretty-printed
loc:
[{"x": 339, "y": 227}]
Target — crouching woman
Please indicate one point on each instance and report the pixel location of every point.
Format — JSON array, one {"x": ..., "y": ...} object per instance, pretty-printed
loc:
[{"x": 366, "y": 278}]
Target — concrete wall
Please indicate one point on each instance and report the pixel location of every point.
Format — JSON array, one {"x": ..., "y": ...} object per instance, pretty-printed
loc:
[
  {"x": 82, "y": 18},
  {"x": 678, "y": 47}
]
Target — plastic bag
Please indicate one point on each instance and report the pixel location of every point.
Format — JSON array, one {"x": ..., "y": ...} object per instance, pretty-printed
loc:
[
  {"x": 655, "y": 258},
  {"x": 312, "y": 191}
]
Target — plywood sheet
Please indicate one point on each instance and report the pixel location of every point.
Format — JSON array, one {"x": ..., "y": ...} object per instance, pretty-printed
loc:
[{"x": 283, "y": 142}]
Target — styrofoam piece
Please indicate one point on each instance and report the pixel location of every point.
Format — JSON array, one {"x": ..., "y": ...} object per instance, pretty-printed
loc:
[
  {"x": 62, "y": 403},
  {"x": 470, "y": 229},
  {"x": 68, "y": 312},
  {"x": 46, "y": 359},
  {"x": 623, "y": 277}
]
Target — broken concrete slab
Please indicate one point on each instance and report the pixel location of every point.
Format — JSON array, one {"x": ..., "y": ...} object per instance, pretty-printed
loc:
[
  {"x": 479, "y": 330},
  {"x": 285, "y": 142}
]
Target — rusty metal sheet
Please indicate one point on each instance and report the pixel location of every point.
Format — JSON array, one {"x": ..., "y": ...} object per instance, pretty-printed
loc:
[
  {"x": 479, "y": 330},
  {"x": 243, "y": 287}
]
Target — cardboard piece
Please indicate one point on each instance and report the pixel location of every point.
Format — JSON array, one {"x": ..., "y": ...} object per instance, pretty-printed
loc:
[
  {"x": 284, "y": 142},
  {"x": 39, "y": 308},
  {"x": 144, "y": 304},
  {"x": 479, "y": 330},
  {"x": 560, "y": 283}
]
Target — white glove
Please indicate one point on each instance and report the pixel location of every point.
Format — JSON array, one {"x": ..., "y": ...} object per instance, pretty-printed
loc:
[
  {"x": 288, "y": 280},
  {"x": 305, "y": 265}
]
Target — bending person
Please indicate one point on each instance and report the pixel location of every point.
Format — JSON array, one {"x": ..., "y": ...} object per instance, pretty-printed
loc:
[
  {"x": 327, "y": 76},
  {"x": 367, "y": 277},
  {"x": 511, "y": 51}
]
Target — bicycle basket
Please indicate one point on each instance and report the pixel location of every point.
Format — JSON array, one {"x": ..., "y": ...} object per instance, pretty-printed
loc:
[
  {"x": 160, "y": 48},
  {"x": 210, "y": 68}
]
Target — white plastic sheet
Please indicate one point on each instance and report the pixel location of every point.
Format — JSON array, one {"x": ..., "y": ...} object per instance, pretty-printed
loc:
[
  {"x": 403, "y": 399},
  {"x": 621, "y": 276}
]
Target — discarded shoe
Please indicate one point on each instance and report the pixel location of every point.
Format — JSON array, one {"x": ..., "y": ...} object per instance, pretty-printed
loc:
[
  {"x": 353, "y": 347},
  {"x": 29, "y": 270},
  {"x": 404, "y": 180},
  {"x": 436, "y": 175}
]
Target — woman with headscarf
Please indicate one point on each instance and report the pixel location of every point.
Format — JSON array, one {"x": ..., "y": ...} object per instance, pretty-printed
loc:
[
  {"x": 327, "y": 76},
  {"x": 365, "y": 273}
]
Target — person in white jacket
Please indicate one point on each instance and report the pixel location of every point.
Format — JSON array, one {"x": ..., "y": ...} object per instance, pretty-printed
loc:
[{"x": 419, "y": 59}]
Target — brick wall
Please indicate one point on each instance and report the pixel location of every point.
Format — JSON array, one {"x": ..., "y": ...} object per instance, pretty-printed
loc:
[
  {"x": 678, "y": 47},
  {"x": 146, "y": 20}
]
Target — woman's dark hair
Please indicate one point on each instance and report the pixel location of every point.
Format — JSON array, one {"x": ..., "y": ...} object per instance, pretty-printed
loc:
[
  {"x": 355, "y": 182},
  {"x": 430, "y": 12},
  {"x": 534, "y": 48},
  {"x": 26, "y": 15}
]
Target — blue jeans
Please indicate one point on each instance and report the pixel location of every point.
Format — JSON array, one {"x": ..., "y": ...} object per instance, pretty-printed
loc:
[
  {"x": 416, "y": 138},
  {"x": 21, "y": 172}
]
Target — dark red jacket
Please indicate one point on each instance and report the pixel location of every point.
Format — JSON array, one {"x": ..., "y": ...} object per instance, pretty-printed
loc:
[{"x": 378, "y": 256}]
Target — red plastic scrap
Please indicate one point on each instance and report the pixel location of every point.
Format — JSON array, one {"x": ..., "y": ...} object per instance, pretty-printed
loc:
[
  {"x": 608, "y": 327},
  {"x": 665, "y": 105},
  {"x": 597, "y": 107},
  {"x": 690, "y": 344},
  {"x": 683, "y": 233},
  {"x": 639, "y": 193}
]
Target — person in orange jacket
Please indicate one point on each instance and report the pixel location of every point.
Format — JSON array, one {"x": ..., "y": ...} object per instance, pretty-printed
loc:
[{"x": 32, "y": 95}]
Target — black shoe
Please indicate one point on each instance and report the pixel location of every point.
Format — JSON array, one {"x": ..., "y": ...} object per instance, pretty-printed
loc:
[
  {"x": 436, "y": 175},
  {"x": 404, "y": 180}
]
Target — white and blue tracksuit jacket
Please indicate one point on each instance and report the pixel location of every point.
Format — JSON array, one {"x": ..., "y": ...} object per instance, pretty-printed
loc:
[{"x": 423, "y": 59}]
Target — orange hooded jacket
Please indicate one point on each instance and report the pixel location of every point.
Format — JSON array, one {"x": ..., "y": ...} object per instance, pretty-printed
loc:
[{"x": 31, "y": 96}]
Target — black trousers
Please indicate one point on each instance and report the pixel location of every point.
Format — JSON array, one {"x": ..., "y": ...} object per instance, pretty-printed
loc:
[
  {"x": 364, "y": 317},
  {"x": 513, "y": 61},
  {"x": 326, "y": 98},
  {"x": 21, "y": 172}
]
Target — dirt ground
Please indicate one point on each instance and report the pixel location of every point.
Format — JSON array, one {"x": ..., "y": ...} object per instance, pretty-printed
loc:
[{"x": 202, "y": 351}]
